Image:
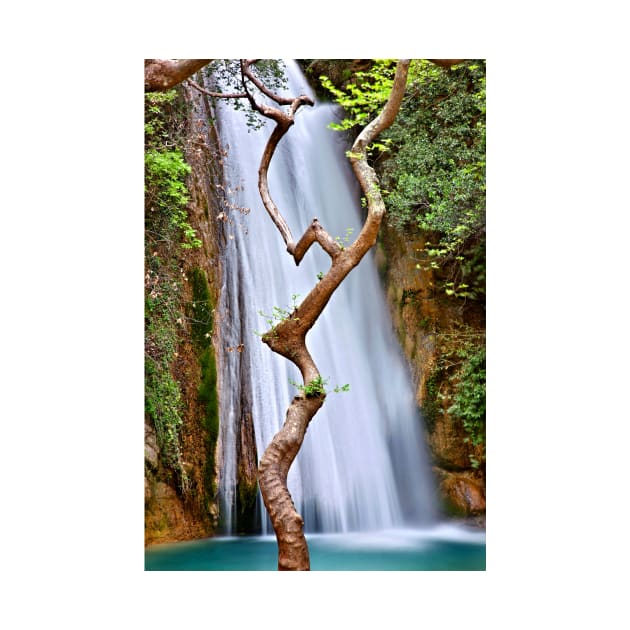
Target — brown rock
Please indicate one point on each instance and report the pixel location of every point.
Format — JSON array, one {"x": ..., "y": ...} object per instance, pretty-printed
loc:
[
  {"x": 447, "y": 445},
  {"x": 464, "y": 495},
  {"x": 423, "y": 318}
]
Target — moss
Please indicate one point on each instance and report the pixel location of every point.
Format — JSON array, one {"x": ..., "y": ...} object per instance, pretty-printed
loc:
[
  {"x": 208, "y": 392},
  {"x": 201, "y": 315},
  {"x": 200, "y": 310},
  {"x": 209, "y": 399},
  {"x": 246, "y": 507},
  {"x": 451, "y": 508}
]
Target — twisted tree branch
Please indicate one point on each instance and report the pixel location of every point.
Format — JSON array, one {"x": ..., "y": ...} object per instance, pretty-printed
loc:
[
  {"x": 316, "y": 233},
  {"x": 215, "y": 94},
  {"x": 283, "y": 122},
  {"x": 288, "y": 338}
]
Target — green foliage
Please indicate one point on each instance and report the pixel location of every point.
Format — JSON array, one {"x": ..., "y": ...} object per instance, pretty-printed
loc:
[
  {"x": 435, "y": 173},
  {"x": 317, "y": 387},
  {"x": 208, "y": 392},
  {"x": 165, "y": 222},
  {"x": 200, "y": 310},
  {"x": 469, "y": 397},
  {"x": 166, "y": 195},
  {"x": 343, "y": 241},
  {"x": 279, "y": 315},
  {"x": 162, "y": 395},
  {"x": 365, "y": 96},
  {"x": 456, "y": 384},
  {"x": 163, "y": 404},
  {"x": 161, "y": 110},
  {"x": 209, "y": 399},
  {"x": 225, "y": 77},
  {"x": 246, "y": 495},
  {"x": 201, "y": 319}
]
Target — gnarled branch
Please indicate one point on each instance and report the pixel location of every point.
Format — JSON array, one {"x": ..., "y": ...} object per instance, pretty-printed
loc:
[
  {"x": 316, "y": 233},
  {"x": 288, "y": 338},
  {"x": 163, "y": 74},
  {"x": 284, "y": 120},
  {"x": 216, "y": 94}
]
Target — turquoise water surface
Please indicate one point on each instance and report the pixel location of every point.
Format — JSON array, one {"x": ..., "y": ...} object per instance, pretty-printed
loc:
[{"x": 444, "y": 548}]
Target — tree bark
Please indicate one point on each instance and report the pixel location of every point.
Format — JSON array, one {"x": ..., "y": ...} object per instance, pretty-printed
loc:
[
  {"x": 163, "y": 74},
  {"x": 288, "y": 338}
]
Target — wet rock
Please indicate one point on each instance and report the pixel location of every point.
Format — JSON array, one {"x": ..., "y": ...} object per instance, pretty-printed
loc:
[{"x": 463, "y": 493}]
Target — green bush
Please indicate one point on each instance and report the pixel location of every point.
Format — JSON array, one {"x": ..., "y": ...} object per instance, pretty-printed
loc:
[
  {"x": 431, "y": 161},
  {"x": 434, "y": 173},
  {"x": 469, "y": 395},
  {"x": 166, "y": 195}
]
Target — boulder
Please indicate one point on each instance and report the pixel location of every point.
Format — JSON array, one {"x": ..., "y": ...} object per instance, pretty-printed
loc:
[{"x": 462, "y": 492}]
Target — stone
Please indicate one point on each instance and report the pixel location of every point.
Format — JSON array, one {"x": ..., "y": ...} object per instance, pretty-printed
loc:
[
  {"x": 151, "y": 449},
  {"x": 464, "y": 495}
]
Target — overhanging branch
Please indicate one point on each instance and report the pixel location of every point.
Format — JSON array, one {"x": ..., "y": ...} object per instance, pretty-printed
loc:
[
  {"x": 163, "y": 74},
  {"x": 284, "y": 120},
  {"x": 215, "y": 94}
]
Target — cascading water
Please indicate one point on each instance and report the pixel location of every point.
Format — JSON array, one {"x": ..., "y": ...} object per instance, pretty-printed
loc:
[{"x": 362, "y": 465}]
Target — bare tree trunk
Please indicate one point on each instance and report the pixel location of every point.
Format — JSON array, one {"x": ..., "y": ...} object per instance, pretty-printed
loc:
[{"x": 288, "y": 337}]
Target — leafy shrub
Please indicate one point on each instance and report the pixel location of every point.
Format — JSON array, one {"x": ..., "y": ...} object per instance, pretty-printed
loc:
[
  {"x": 435, "y": 171},
  {"x": 431, "y": 161},
  {"x": 469, "y": 395},
  {"x": 166, "y": 195}
]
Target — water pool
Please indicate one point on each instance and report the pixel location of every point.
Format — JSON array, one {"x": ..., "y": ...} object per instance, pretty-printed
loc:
[{"x": 442, "y": 548}]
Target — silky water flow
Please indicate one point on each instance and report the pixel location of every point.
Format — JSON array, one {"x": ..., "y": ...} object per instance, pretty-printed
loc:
[{"x": 363, "y": 464}]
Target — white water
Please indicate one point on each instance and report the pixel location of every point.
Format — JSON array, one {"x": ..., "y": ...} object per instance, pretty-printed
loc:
[{"x": 363, "y": 464}]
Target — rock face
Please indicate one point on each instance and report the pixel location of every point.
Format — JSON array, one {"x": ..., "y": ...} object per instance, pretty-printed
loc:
[
  {"x": 174, "y": 510},
  {"x": 247, "y": 486},
  {"x": 422, "y": 318}
]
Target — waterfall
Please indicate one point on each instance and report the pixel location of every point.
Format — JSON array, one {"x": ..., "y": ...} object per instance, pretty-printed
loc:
[{"x": 363, "y": 464}]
